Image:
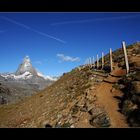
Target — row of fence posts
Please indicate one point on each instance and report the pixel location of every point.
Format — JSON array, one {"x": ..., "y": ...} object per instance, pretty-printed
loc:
[{"x": 91, "y": 61}]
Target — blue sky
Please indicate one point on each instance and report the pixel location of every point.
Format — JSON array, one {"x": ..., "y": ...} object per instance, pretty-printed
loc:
[{"x": 58, "y": 42}]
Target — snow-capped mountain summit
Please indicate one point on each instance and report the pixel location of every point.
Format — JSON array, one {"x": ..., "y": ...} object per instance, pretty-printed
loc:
[
  {"x": 26, "y": 66},
  {"x": 26, "y": 81},
  {"x": 26, "y": 73}
]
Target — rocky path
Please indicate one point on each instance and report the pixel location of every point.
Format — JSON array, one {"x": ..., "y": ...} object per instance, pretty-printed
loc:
[{"x": 106, "y": 98}]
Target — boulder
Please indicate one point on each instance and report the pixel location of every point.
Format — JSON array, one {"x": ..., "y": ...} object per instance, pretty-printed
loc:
[
  {"x": 102, "y": 120},
  {"x": 99, "y": 117}
]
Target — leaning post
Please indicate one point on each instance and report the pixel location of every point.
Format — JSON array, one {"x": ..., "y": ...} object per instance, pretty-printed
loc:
[
  {"x": 102, "y": 60},
  {"x": 111, "y": 62},
  {"x": 93, "y": 62},
  {"x": 97, "y": 61},
  {"x": 90, "y": 62},
  {"x": 125, "y": 55}
]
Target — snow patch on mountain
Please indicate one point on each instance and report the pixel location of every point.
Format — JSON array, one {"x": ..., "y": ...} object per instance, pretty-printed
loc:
[
  {"x": 27, "y": 71},
  {"x": 24, "y": 76},
  {"x": 46, "y": 77},
  {"x": 51, "y": 78}
]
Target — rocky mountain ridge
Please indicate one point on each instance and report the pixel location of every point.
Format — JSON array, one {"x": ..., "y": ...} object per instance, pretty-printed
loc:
[
  {"x": 84, "y": 98},
  {"x": 24, "y": 82}
]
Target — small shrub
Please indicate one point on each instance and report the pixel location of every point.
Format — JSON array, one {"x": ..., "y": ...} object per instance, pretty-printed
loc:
[
  {"x": 75, "y": 109},
  {"x": 66, "y": 125}
]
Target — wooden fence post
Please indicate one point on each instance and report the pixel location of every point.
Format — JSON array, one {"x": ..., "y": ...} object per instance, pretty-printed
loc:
[
  {"x": 102, "y": 60},
  {"x": 89, "y": 61},
  {"x": 111, "y": 63},
  {"x": 93, "y": 62},
  {"x": 97, "y": 61},
  {"x": 125, "y": 55}
]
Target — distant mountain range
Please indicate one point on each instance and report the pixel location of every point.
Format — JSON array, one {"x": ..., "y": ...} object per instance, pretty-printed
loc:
[
  {"x": 26, "y": 80},
  {"x": 25, "y": 72}
]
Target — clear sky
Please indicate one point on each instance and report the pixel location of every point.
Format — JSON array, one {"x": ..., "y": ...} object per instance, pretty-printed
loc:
[{"x": 56, "y": 42}]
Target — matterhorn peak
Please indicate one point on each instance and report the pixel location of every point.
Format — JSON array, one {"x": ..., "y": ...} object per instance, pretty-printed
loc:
[
  {"x": 26, "y": 66},
  {"x": 27, "y": 62},
  {"x": 26, "y": 59}
]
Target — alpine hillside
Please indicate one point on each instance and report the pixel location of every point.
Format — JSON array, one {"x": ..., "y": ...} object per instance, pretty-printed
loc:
[{"x": 85, "y": 97}]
